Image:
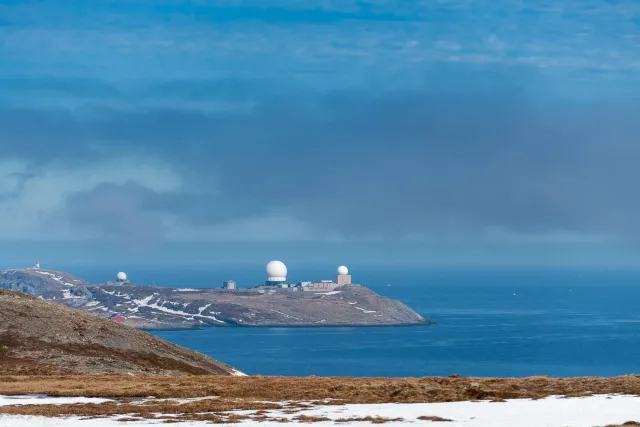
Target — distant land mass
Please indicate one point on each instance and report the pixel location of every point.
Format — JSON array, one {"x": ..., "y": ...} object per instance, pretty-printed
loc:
[
  {"x": 152, "y": 307},
  {"x": 43, "y": 337}
]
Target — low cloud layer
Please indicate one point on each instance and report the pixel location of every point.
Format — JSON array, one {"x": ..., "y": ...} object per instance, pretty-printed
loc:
[{"x": 352, "y": 166}]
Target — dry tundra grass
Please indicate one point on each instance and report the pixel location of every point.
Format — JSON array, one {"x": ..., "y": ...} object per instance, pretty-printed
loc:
[
  {"x": 342, "y": 390},
  {"x": 434, "y": 419},
  {"x": 298, "y": 394}
]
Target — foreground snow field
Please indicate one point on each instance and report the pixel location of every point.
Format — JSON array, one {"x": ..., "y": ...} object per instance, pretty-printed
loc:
[{"x": 599, "y": 410}]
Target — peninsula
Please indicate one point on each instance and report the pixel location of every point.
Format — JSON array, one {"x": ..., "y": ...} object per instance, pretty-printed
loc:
[{"x": 273, "y": 304}]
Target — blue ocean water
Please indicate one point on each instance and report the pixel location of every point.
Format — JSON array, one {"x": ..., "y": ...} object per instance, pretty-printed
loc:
[{"x": 505, "y": 322}]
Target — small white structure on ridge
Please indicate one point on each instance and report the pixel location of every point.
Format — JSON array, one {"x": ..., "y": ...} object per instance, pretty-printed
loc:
[{"x": 121, "y": 277}]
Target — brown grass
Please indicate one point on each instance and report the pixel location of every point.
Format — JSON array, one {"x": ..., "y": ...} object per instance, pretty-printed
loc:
[
  {"x": 145, "y": 410},
  {"x": 341, "y": 390},
  {"x": 435, "y": 419},
  {"x": 147, "y": 361},
  {"x": 251, "y": 393},
  {"x": 213, "y": 410},
  {"x": 310, "y": 419},
  {"x": 372, "y": 420}
]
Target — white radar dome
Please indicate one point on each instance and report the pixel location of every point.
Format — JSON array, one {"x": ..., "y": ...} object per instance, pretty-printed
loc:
[
  {"x": 276, "y": 269},
  {"x": 122, "y": 276},
  {"x": 343, "y": 271}
]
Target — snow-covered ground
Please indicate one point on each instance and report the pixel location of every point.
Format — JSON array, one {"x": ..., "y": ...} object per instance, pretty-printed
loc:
[
  {"x": 237, "y": 373},
  {"x": 550, "y": 412}
]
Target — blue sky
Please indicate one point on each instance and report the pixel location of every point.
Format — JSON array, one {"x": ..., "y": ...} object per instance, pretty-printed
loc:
[{"x": 492, "y": 132}]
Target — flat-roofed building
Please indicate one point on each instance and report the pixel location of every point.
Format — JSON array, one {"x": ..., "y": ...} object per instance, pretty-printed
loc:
[{"x": 229, "y": 284}]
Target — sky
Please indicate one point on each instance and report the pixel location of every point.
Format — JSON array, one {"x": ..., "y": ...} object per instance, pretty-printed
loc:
[{"x": 487, "y": 132}]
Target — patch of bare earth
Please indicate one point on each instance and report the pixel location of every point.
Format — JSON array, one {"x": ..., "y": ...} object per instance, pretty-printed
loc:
[{"x": 435, "y": 419}]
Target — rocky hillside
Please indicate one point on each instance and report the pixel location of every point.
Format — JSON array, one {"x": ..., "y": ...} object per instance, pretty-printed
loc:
[
  {"x": 38, "y": 336},
  {"x": 180, "y": 308}
]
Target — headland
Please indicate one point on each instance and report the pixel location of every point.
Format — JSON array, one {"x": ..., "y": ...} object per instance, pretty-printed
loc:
[{"x": 273, "y": 303}]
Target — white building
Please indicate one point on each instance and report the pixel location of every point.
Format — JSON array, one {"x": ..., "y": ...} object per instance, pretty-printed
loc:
[{"x": 229, "y": 284}]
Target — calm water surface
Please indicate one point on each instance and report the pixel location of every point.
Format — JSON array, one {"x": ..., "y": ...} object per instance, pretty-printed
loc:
[{"x": 489, "y": 323}]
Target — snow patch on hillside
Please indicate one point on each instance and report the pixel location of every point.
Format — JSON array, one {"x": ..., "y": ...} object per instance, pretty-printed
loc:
[
  {"x": 285, "y": 315},
  {"x": 201, "y": 309},
  {"x": 66, "y": 294},
  {"x": 182, "y": 313},
  {"x": 145, "y": 301},
  {"x": 58, "y": 279}
]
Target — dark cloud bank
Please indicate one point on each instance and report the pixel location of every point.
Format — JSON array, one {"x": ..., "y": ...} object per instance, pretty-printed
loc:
[{"x": 439, "y": 167}]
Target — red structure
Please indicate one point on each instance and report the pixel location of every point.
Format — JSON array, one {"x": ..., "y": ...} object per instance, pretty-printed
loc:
[{"x": 117, "y": 318}]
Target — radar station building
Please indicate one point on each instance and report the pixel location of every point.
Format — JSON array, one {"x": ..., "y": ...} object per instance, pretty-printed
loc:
[
  {"x": 276, "y": 274},
  {"x": 122, "y": 279},
  {"x": 229, "y": 284},
  {"x": 344, "y": 278},
  {"x": 277, "y": 278}
]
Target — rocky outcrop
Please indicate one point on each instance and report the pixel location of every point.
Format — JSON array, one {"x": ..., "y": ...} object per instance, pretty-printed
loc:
[
  {"x": 160, "y": 307},
  {"x": 39, "y": 336}
]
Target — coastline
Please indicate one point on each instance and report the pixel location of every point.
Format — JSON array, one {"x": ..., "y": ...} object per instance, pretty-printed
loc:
[{"x": 426, "y": 322}]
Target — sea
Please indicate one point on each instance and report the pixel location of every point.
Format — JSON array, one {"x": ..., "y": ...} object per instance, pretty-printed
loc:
[{"x": 488, "y": 322}]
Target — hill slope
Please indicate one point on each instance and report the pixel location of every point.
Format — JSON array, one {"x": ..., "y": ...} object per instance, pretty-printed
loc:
[{"x": 38, "y": 336}]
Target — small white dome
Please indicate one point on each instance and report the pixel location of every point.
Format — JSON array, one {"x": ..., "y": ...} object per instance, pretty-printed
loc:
[
  {"x": 122, "y": 276},
  {"x": 343, "y": 271},
  {"x": 276, "y": 269}
]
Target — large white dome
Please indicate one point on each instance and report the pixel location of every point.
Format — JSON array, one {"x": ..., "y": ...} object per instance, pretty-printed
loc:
[
  {"x": 276, "y": 269},
  {"x": 122, "y": 276},
  {"x": 343, "y": 271}
]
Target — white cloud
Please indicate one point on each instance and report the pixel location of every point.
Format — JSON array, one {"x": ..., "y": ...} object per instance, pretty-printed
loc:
[
  {"x": 33, "y": 213},
  {"x": 37, "y": 210}
]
